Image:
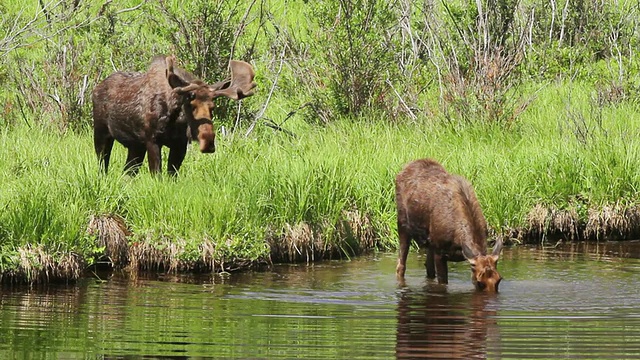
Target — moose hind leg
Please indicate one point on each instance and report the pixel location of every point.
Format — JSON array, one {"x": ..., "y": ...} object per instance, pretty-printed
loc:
[
  {"x": 135, "y": 157},
  {"x": 441, "y": 268},
  {"x": 405, "y": 241},
  {"x": 103, "y": 145}
]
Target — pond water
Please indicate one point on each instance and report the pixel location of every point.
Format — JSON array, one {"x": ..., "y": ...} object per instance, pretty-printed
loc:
[{"x": 578, "y": 301}]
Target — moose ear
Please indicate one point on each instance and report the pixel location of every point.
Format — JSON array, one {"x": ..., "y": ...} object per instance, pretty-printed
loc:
[
  {"x": 497, "y": 248},
  {"x": 468, "y": 253},
  {"x": 175, "y": 81},
  {"x": 181, "y": 90}
]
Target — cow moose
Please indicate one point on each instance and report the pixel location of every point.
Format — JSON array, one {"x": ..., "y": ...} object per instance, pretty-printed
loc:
[
  {"x": 165, "y": 106},
  {"x": 441, "y": 213}
]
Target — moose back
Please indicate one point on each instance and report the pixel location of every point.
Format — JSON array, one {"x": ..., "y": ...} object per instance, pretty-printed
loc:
[
  {"x": 441, "y": 213},
  {"x": 165, "y": 106}
]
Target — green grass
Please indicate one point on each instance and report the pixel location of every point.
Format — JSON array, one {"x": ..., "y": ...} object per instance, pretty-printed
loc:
[{"x": 252, "y": 189}]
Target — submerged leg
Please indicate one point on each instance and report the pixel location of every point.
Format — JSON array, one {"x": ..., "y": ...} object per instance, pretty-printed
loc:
[
  {"x": 430, "y": 264},
  {"x": 404, "y": 240},
  {"x": 441, "y": 268}
]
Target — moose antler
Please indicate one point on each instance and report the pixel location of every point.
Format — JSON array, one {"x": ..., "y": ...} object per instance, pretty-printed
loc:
[{"x": 240, "y": 85}]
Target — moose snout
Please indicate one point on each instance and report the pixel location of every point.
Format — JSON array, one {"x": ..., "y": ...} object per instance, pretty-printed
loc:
[
  {"x": 206, "y": 138},
  {"x": 489, "y": 285},
  {"x": 206, "y": 147}
]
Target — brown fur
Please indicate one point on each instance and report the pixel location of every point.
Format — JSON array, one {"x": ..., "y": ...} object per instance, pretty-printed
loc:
[
  {"x": 441, "y": 213},
  {"x": 164, "y": 106}
]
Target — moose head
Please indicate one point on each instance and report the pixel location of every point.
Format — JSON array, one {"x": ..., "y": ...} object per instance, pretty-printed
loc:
[
  {"x": 484, "y": 268},
  {"x": 198, "y": 97}
]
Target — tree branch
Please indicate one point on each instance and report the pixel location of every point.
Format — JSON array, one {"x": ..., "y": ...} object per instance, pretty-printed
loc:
[{"x": 273, "y": 87}]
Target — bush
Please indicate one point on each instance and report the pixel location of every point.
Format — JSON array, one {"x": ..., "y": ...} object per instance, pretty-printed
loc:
[{"x": 353, "y": 37}]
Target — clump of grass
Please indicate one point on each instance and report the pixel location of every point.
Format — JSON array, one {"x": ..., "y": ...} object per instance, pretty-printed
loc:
[
  {"x": 359, "y": 228},
  {"x": 351, "y": 235},
  {"x": 299, "y": 243},
  {"x": 35, "y": 264},
  {"x": 613, "y": 222},
  {"x": 607, "y": 222},
  {"x": 543, "y": 222},
  {"x": 145, "y": 256},
  {"x": 536, "y": 221},
  {"x": 111, "y": 234},
  {"x": 566, "y": 222},
  {"x": 178, "y": 255}
]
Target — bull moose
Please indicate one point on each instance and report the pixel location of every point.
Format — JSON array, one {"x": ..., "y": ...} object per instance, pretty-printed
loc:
[
  {"x": 441, "y": 213},
  {"x": 165, "y": 106}
]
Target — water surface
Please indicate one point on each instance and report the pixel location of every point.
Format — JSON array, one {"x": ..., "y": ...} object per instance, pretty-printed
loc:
[{"x": 579, "y": 301}]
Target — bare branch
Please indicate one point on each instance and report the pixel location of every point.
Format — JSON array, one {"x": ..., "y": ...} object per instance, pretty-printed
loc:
[
  {"x": 413, "y": 116},
  {"x": 129, "y": 9},
  {"x": 27, "y": 34},
  {"x": 565, "y": 12},
  {"x": 273, "y": 87},
  {"x": 240, "y": 29},
  {"x": 270, "y": 123}
]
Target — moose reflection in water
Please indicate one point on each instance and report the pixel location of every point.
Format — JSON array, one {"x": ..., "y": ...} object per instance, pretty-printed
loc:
[
  {"x": 441, "y": 213},
  {"x": 435, "y": 324}
]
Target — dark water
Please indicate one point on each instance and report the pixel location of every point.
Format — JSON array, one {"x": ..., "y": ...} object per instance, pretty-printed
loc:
[{"x": 576, "y": 302}]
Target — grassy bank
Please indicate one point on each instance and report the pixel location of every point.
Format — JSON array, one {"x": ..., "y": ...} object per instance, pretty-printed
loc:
[{"x": 326, "y": 192}]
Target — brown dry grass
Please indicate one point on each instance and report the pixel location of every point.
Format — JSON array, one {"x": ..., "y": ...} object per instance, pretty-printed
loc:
[
  {"x": 357, "y": 226},
  {"x": 37, "y": 265},
  {"x": 609, "y": 222},
  {"x": 146, "y": 256},
  {"x": 298, "y": 243},
  {"x": 111, "y": 232},
  {"x": 169, "y": 255},
  {"x": 351, "y": 236},
  {"x": 613, "y": 222},
  {"x": 537, "y": 221}
]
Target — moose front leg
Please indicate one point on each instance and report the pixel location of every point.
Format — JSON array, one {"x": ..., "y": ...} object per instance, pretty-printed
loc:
[
  {"x": 176, "y": 156},
  {"x": 154, "y": 157},
  {"x": 430, "y": 264},
  {"x": 404, "y": 242}
]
